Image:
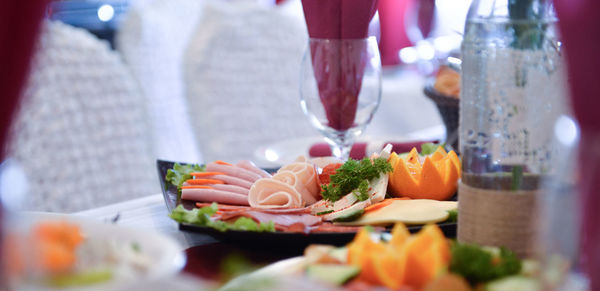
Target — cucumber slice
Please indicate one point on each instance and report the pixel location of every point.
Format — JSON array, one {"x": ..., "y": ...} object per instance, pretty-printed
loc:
[
  {"x": 350, "y": 211},
  {"x": 351, "y": 216},
  {"x": 514, "y": 283},
  {"x": 331, "y": 273}
]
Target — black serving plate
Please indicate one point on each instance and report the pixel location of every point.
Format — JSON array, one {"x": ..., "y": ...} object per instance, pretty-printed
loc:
[{"x": 257, "y": 238}]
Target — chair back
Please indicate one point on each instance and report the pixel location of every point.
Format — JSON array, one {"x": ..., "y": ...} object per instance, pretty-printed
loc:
[
  {"x": 242, "y": 73},
  {"x": 80, "y": 133}
]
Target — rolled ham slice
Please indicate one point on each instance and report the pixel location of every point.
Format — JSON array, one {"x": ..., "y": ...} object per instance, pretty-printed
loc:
[
  {"x": 271, "y": 193},
  {"x": 233, "y": 171},
  {"x": 214, "y": 195},
  {"x": 250, "y": 166},
  {"x": 293, "y": 180},
  {"x": 306, "y": 179}
]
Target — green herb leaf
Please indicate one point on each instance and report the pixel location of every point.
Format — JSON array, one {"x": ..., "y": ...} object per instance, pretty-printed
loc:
[{"x": 351, "y": 174}]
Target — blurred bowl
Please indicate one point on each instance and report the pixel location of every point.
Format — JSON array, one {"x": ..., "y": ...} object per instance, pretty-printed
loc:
[{"x": 448, "y": 107}]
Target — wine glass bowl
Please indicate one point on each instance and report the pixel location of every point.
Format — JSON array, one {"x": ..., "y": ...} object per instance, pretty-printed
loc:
[{"x": 340, "y": 88}]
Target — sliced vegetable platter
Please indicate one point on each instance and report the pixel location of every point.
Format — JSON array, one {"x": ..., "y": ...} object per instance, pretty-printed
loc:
[{"x": 172, "y": 201}]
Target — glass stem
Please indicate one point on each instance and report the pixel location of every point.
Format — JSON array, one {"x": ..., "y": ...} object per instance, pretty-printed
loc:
[{"x": 341, "y": 149}]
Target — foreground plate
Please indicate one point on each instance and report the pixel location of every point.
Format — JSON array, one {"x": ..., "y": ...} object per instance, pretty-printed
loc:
[
  {"x": 261, "y": 238},
  {"x": 164, "y": 255}
]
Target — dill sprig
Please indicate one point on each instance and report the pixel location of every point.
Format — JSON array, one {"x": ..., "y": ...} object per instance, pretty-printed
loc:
[
  {"x": 362, "y": 192},
  {"x": 351, "y": 174}
]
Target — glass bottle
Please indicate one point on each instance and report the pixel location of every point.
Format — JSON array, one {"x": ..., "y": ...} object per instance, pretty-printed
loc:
[
  {"x": 513, "y": 90},
  {"x": 512, "y": 93}
]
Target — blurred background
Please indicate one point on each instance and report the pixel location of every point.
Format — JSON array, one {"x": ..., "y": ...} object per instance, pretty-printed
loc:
[{"x": 117, "y": 84}]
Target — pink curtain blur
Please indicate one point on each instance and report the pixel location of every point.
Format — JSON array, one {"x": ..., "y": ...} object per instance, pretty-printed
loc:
[
  {"x": 393, "y": 31},
  {"x": 580, "y": 30},
  {"x": 19, "y": 24}
]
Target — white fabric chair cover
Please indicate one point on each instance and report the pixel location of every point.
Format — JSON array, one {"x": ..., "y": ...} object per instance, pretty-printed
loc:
[
  {"x": 80, "y": 134},
  {"x": 242, "y": 71},
  {"x": 152, "y": 39}
]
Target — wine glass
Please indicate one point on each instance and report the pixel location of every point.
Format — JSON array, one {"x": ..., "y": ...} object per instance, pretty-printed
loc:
[{"x": 340, "y": 89}]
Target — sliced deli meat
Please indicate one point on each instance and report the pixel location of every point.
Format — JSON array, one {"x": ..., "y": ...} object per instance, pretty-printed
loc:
[
  {"x": 229, "y": 208},
  {"x": 306, "y": 178},
  {"x": 250, "y": 166},
  {"x": 293, "y": 180},
  {"x": 233, "y": 181},
  {"x": 213, "y": 195},
  {"x": 271, "y": 193},
  {"x": 293, "y": 186},
  {"x": 233, "y": 171},
  {"x": 231, "y": 188},
  {"x": 281, "y": 220}
]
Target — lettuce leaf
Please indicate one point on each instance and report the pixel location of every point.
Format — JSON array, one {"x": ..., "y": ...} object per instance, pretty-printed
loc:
[
  {"x": 181, "y": 173},
  {"x": 201, "y": 217}
]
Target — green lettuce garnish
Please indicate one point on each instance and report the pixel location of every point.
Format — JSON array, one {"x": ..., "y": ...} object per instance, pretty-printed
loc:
[
  {"x": 201, "y": 217},
  {"x": 181, "y": 173}
]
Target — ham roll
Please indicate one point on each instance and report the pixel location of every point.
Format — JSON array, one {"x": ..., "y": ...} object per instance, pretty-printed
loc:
[
  {"x": 292, "y": 179},
  {"x": 271, "y": 193},
  {"x": 293, "y": 186}
]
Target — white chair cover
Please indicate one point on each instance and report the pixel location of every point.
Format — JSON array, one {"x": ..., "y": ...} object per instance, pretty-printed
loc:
[
  {"x": 80, "y": 134},
  {"x": 242, "y": 71},
  {"x": 152, "y": 39}
]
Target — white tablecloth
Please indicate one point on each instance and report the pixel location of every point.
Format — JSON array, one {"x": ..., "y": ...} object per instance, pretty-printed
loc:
[{"x": 149, "y": 213}]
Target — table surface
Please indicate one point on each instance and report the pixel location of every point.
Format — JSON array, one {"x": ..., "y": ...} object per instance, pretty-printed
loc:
[
  {"x": 148, "y": 213},
  {"x": 204, "y": 252}
]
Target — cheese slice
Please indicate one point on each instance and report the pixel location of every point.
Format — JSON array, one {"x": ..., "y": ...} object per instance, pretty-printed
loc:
[{"x": 416, "y": 211}]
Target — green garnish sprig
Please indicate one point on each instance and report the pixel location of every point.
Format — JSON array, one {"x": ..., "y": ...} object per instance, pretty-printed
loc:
[
  {"x": 362, "y": 192},
  {"x": 351, "y": 174}
]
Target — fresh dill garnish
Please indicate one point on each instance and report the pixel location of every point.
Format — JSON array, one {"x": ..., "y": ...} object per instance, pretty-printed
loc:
[{"x": 351, "y": 174}]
